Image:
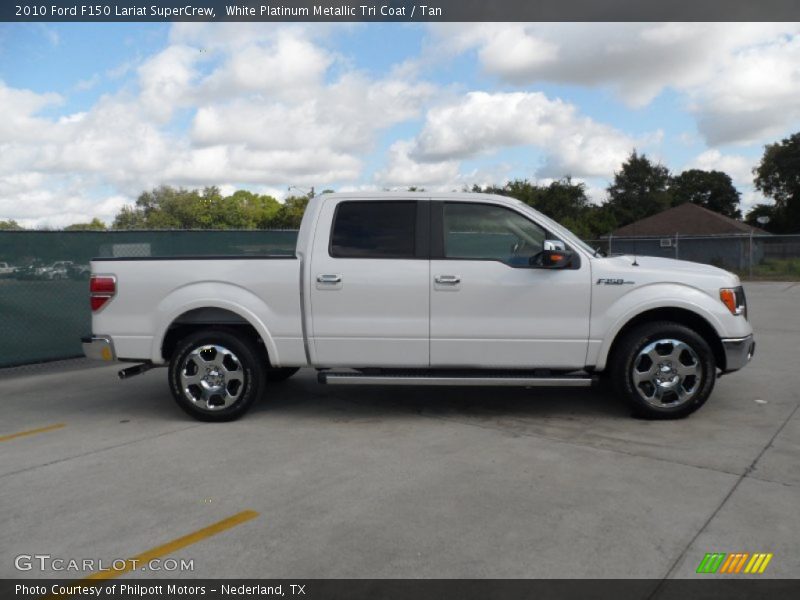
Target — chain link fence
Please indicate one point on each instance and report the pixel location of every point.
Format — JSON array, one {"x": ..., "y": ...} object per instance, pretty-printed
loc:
[
  {"x": 44, "y": 291},
  {"x": 754, "y": 257}
]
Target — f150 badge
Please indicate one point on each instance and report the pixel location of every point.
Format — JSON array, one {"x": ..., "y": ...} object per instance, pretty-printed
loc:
[{"x": 612, "y": 281}]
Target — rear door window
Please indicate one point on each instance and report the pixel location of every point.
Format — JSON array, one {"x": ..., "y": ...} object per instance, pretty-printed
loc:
[{"x": 369, "y": 229}]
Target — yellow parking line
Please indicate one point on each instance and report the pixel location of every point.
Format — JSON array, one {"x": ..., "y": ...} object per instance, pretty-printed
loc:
[
  {"x": 174, "y": 545},
  {"x": 162, "y": 550},
  {"x": 13, "y": 436}
]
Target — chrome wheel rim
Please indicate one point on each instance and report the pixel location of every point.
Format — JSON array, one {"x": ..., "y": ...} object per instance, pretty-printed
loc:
[
  {"x": 211, "y": 377},
  {"x": 667, "y": 373}
]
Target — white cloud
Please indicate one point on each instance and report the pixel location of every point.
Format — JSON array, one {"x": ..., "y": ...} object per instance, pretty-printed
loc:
[
  {"x": 268, "y": 110},
  {"x": 512, "y": 53},
  {"x": 481, "y": 123},
  {"x": 19, "y": 108},
  {"x": 741, "y": 79},
  {"x": 269, "y": 105},
  {"x": 225, "y": 163},
  {"x": 50, "y": 34},
  {"x": 740, "y": 168},
  {"x": 753, "y": 95},
  {"x": 166, "y": 80},
  {"x": 402, "y": 170},
  {"x": 343, "y": 116},
  {"x": 84, "y": 85},
  {"x": 752, "y": 197},
  {"x": 36, "y": 200},
  {"x": 288, "y": 67}
]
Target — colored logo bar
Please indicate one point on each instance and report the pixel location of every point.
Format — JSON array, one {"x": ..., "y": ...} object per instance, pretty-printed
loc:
[{"x": 734, "y": 563}]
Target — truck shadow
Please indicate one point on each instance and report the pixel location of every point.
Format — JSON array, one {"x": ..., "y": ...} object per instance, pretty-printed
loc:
[
  {"x": 301, "y": 396},
  {"x": 147, "y": 397}
]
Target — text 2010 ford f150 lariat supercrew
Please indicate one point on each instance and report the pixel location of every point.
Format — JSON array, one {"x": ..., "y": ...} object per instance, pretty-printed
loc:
[{"x": 423, "y": 289}]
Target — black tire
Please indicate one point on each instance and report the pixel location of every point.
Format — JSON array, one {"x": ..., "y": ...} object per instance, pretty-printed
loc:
[
  {"x": 276, "y": 374},
  {"x": 692, "y": 352},
  {"x": 242, "y": 362}
]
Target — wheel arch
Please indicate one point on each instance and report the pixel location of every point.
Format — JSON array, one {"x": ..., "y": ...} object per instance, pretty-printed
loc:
[
  {"x": 192, "y": 308},
  {"x": 683, "y": 316},
  {"x": 205, "y": 318}
]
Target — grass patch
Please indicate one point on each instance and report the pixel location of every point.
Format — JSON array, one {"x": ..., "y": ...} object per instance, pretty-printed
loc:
[{"x": 774, "y": 269}]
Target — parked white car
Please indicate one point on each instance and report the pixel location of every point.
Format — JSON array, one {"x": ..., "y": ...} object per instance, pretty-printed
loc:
[
  {"x": 6, "y": 270},
  {"x": 423, "y": 289}
]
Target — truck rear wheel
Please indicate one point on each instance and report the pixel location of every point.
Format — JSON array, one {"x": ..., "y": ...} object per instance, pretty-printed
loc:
[
  {"x": 215, "y": 375},
  {"x": 664, "y": 370}
]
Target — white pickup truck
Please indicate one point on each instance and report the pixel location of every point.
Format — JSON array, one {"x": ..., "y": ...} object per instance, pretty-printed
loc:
[{"x": 422, "y": 289}]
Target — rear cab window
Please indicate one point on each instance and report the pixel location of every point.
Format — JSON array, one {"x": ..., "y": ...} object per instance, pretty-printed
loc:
[{"x": 375, "y": 229}]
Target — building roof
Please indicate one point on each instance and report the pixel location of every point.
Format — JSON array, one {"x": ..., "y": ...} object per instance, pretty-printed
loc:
[{"x": 686, "y": 219}]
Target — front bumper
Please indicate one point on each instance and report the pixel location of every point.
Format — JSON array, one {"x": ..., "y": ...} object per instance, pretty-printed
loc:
[
  {"x": 738, "y": 352},
  {"x": 99, "y": 347}
]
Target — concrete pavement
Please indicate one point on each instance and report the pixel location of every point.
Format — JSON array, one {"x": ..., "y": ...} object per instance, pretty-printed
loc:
[{"x": 409, "y": 482}]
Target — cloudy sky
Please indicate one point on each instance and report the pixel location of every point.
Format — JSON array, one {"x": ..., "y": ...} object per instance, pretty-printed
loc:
[{"x": 92, "y": 114}]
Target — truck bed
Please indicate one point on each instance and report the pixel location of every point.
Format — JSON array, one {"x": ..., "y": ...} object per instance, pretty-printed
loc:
[{"x": 156, "y": 293}]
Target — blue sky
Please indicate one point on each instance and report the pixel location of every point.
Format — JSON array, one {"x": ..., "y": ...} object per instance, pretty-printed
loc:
[{"x": 96, "y": 113}]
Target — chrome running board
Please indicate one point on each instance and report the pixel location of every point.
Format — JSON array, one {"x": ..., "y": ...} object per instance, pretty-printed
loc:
[{"x": 506, "y": 378}]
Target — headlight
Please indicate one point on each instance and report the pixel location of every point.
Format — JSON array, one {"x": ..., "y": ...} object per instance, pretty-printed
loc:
[{"x": 734, "y": 299}]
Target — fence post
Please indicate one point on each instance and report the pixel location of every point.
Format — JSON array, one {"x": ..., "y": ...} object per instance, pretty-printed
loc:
[
  {"x": 676, "y": 246},
  {"x": 750, "y": 267},
  {"x": 610, "y": 235}
]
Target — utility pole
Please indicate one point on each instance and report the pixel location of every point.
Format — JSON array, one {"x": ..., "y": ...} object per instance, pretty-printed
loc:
[{"x": 309, "y": 192}]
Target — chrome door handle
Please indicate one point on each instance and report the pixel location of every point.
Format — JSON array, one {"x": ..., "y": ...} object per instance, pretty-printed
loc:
[
  {"x": 329, "y": 279},
  {"x": 448, "y": 279}
]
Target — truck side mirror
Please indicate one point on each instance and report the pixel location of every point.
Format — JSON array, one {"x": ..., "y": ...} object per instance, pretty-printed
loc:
[
  {"x": 554, "y": 245},
  {"x": 551, "y": 259}
]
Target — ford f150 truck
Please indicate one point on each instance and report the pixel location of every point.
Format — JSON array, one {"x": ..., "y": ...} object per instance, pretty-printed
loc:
[{"x": 423, "y": 289}]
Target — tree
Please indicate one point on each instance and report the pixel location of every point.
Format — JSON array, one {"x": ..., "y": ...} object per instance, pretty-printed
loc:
[
  {"x": 291, "y": 212},
  {"x": 713, "y": 190},
  {"x": 259, "y": 211},
  {"x": 562, "y": 200},
  {"x": 10, "y": 225},
  {"x": 93, "y": 225},
  {"x": 597, "y": 221},
  {"x": 559, "y": 200},
  {"x": 168, "y": 208},
  {"x": 778, "y": 177},
  {"x": 162, "y": 208},
  {"x": 640, "y": 189},
  {"x": 762, "y": 210}
]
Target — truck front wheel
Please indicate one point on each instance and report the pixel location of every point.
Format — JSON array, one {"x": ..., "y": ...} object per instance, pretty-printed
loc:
[
  {"x": 215, "y": 375},
  {"x": 664, "y": 370}
]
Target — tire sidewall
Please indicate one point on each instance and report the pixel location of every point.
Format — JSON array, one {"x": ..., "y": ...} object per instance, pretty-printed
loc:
[
  {"x": 641, "y": 337},
  {"x": 249, "y": 359}
]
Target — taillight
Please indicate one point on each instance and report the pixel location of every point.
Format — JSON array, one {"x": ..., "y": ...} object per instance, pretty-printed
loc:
[{"x": 101, "y": 289}]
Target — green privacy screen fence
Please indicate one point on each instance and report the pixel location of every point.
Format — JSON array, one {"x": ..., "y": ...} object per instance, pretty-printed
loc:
[
  {"x": 44, "y": 290},
  {"x": 44, "y": 304},
  {"x": 44, "y": 299}
]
